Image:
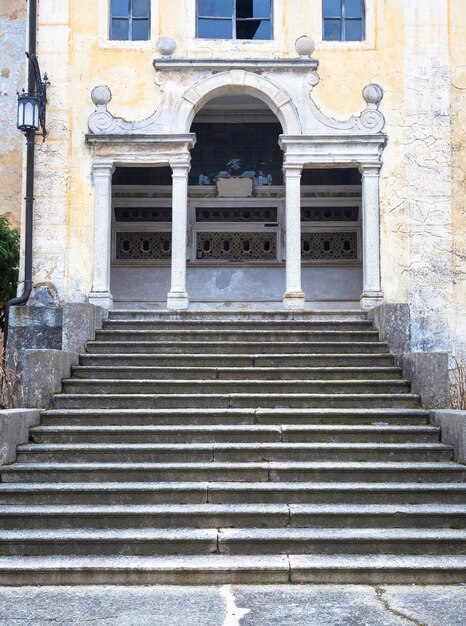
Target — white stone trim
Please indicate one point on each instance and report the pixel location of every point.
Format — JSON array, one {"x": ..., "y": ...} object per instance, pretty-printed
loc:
[
  {"x": 177, "y": 298},
  {"x": 193, "y": 46},
  {"x": 103, "y": 12},
  {"x": 293, "y": 298},
  {"x": 369, "y": 40}
]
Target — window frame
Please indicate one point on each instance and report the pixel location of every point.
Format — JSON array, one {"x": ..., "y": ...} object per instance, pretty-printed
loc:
[
  {"x": 233, "y": 19},
  {"x": 342, "y": 19},
  {"x": 130, "y": 20}
]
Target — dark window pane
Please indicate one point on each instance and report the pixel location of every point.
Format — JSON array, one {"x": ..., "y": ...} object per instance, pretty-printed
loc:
[
  {"x": 215, "y": 8},
  {"x": 140, "y": 8},
  {"x": 353, "y": 8},
  {"x": 332, "y": 30},
  {"x": 331, "y": 8},
  {"x": 253, "y": 29},
  {"x": 353, "y": 30},
  {"x": 120, "y": 8},
  {"x": 119, "y": 30},
  {"x": 214, "y": 29},
  {"x": 252, "y": 8},
  {"x": 140, "y": 30}
]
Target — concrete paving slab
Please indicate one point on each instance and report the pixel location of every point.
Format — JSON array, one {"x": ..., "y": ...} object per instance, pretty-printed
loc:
[{"x": 234, "y": 605}]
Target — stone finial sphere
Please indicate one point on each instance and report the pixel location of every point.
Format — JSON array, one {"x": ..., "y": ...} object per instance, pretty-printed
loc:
[
  {"x": 304, "y": 46},
  {"x": 101, "y": 95},
  {"x": 372, "y": 93},
  {"x": 166, "y": 46}
]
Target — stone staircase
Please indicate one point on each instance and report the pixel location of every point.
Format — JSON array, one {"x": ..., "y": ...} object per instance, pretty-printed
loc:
[{"x": 234, "y": 447}]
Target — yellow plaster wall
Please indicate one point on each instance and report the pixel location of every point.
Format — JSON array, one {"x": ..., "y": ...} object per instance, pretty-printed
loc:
[{"x": 344, "y": 70}]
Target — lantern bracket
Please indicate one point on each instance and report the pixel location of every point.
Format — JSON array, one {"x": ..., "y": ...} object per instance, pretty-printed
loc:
[{"x": 41, "y": 90}]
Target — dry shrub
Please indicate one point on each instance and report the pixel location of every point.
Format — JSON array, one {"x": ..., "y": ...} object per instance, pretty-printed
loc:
[
  {"x": 9, "y": 379},
  {"x": 458, "y": 385}
]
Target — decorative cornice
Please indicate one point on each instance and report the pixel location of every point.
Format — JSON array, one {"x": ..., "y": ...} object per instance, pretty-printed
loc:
[
  {"x": 176, "y": 139},
  {"x": 221, "y": 65}
]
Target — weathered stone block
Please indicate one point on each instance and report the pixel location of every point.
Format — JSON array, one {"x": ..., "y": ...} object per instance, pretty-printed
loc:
[
  {"x": 42, "y": 373},
  {"x": 80, "y": 321},
  {"x": 453, "y": 431},
  {"x": 393, "y": 322},
  {"x": 429, "y": 376},
  {"x": 14, "y": 430}
]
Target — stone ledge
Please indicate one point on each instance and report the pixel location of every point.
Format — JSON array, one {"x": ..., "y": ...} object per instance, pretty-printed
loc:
[
  {"x": 453, "y": 431},
  {"x": 14, "y": 430}
]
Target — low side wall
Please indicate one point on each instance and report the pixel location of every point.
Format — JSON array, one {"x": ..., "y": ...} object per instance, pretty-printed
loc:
[
  {"x": 14, "y": 430},
  {"x": 453, "y": 431}
]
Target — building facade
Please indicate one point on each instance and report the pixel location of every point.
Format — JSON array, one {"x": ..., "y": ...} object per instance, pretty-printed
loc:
[{"x": 204, "y": 155}]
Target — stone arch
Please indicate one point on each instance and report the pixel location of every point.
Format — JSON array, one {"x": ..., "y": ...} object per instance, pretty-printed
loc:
[{"x": 238, "y": 82}]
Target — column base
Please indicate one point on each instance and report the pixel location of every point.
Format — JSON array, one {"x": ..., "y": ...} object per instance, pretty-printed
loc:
[
  {"x": 293, "y": 301},
  {"x": 370, "y": 299},
  {"x": 177, "y": 301},
  {"x": 103, "y": 299}
]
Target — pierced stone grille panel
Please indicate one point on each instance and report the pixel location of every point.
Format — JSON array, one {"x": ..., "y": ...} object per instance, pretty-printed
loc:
[
  {"x": 336, "y": 246},
  {"x": 139, "y": 246},
  {"x": 236, "y": 214},
  {"x": 143, "y": 214},
  {"x": 330, "y": 214},
  {"x": 237, "y": 246}
]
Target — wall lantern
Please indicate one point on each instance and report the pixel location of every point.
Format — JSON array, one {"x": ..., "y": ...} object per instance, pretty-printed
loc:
[{"x": 32, "y": 104}]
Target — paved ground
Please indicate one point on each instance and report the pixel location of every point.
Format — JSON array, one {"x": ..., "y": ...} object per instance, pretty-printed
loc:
[{"x": 306, "y": 605}]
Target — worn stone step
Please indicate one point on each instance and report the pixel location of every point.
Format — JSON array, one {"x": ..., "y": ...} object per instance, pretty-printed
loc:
[
  {"x": 232, "y": 569},
  {"x": 113, "y": 541},
  {"x": 144, "y": 516},
  {"x": 234, "y": 472},
  {"x": 403, "y": 541},
  {"x": 160, "y": 541},
  {"x": 206, "y": 416},
  {"x": 122, "y": 493},
  {"x": 258, "y": 433},
  {"x": 237, "y": 360},
  {"x": 124, "y": 372},
  {"x": 180, "y": 336},
  {"x": 232, "y": 452},
  {"x": 238, "y": 324},
  {"x": 237, "y": 347},
  {"x": 235, "y": 400},
  {"x": 234, "y": 515},
  {"x": 176, "y": 386},
  {"x": 237, "y": 315}
]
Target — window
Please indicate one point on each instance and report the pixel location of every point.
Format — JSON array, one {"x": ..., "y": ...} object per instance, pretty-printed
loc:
[
  {"x": 234, "y": 19},
  {"x": 343, "y": 20},
  {"x": 129, "y": 20}
]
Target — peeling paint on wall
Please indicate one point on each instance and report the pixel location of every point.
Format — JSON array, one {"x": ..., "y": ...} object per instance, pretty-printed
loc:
[{"x": 12, "y": 68}]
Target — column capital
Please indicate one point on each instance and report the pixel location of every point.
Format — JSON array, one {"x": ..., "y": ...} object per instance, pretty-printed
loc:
[
  {"x": 180, "y": 165},
  {"x": 370, "y": 169},
  {"x": 103, "y": 168},
  {"x": 292, "y": 169}
]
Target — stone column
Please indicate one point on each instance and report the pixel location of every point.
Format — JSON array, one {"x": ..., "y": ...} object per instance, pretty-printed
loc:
[
  {"x": 372, "y": 294},
  {"x": 177, "y": 298},
  {"x": 293, "y": 299},
  {"x": 100, "y": 293}
]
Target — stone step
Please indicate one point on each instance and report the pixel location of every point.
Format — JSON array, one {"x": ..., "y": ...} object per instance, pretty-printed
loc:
[
  {"x": 238, "y": 324},
  {"x": 191, "y": 386},
  {"x": 218, "y": 569},
  {"x": 122, "y": 493},
  {"x": 251, "y": 337},
  {"x": 321, "y": 471},
  {"x": 237, "y": 347},
  {"x": 403, "y": 541},
  {"x": 251, "y": 416},
  {"x": 125, "y": 372},
  {"x": 237, "y": 315},
  {"x": 160, "y": 541},
  {"x": 234, "y": 515},
  {"x": 255, "y": 433},
  {"x": 232, "y": 452},
  {"x": 235, "y": 400},
  {"x": 237, "y": 360}
]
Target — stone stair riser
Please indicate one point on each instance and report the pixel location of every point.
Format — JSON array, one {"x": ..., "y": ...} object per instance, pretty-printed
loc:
[
  {"x": 236, "y": 373},
  {"x": 238, "y": 401},
  {"x": 248, "y": 349},
  {"x": 228, "y": 326}
]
